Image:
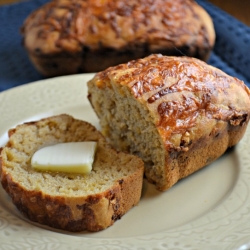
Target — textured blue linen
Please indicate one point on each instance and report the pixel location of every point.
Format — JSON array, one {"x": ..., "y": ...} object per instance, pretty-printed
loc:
[{"x": 230, "y": 53}]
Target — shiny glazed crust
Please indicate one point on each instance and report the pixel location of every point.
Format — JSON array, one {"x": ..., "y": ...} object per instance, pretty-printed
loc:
[
  {"x": 71, "y": 36},
  {"x": 183, "y": 113},
  {"x": 69, "y": 201}
]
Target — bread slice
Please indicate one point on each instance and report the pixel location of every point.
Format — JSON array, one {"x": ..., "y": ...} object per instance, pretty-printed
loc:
[
  {"x": 72, "y": 202},
  {"x": 177, "y": 113}
]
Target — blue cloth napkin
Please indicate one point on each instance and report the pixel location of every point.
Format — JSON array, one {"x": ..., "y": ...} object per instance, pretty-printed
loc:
[{"x": 230, "y": 53}]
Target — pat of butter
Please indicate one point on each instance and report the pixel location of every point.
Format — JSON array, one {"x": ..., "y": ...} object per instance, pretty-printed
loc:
[{"x": 70, "y": 157}]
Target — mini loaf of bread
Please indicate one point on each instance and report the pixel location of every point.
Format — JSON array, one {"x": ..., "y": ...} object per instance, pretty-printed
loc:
[
  {"x": 177, "y": 113},
  {"x": 73, "y": 202},
  {"x": 72, "y": 36}
]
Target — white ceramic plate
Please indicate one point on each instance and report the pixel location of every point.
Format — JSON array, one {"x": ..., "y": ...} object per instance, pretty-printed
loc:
[{"x": 208, "y": 210}]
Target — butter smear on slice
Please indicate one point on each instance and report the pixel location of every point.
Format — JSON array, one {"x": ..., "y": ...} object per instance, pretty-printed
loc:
[{"x": 69, "y": 157}]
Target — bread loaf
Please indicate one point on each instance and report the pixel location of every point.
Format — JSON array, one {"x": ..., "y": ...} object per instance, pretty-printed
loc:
[
  {"x": 72, "y": 36},
  {"x": 73, "y": 202},
  {"x": 177, "y": 113}
]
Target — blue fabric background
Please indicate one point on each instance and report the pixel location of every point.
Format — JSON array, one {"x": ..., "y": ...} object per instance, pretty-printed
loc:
[{"x": 230, "y": 53}]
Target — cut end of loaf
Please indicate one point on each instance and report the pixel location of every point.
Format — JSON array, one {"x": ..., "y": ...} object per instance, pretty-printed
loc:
[{"x": 128, "y": 126}]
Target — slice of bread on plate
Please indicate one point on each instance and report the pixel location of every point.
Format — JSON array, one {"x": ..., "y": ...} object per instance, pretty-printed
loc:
[{"x": 73, "y": 202}]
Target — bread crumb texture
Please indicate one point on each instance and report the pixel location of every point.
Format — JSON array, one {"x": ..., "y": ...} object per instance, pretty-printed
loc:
[{"x": 73, "y": 202}]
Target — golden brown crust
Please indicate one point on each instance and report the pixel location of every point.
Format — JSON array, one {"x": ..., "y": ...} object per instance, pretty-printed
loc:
[
  {"x": 200, "y": 154},
  {"x": 96, "y": 35},
  {"x": 178, "y": 91},
  {"x": 73, "y": 212},
  {"x": 196, "y": 110}
]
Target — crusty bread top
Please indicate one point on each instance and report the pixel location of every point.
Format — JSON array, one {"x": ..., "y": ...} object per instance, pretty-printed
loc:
[
  {"x": 74, "y": 25},
  {"x": 182, "y": 94}
]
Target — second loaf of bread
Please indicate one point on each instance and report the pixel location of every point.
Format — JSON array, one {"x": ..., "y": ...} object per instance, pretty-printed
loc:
[
  {"x": 177, "y": 113},
  {"x": 71, "y": 36}
]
